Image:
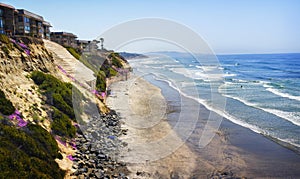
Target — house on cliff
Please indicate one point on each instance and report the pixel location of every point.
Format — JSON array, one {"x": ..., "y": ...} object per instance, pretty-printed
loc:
[
  {"x": 66, "y": 39},
  {"x": 28, "y": 23},
  {"x": 22, "y": 22},
  {"x": 7, "y": 19}
]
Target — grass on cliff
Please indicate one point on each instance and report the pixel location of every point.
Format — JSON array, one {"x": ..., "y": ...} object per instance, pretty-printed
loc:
[
  {"x": 28, "y": 153},
  {"x": 82, "y": 58},
  {"x": 74, "y": 52},
  {"x": 101, "y": 81},
  {"x": 115, "y": 58},
  {"x": 59, "y": 95},
  {"x": 62, "y": 125},
  {"x": 4, "y": 38},
  {"x": 6, "y": 107}
]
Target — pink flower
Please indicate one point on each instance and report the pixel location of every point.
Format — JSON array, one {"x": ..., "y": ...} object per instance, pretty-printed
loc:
[
  {"x": 73, "y": 145},
  {"x": 22, "y": 123},
  {"x": 12, "y": 116},
  {"x": 95, "y": 92},
  {"x": 60, "y": 141},
  {"x": 17, "y": 112},
  {"x": 70, "y": 157},
  {"x": 27, "y": 52}
]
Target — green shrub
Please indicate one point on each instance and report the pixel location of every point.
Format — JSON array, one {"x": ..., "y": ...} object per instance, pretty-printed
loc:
[
  {"x": 28, "y": 153},
  {"x": 58, "y": 93},
  {"x": 5, "y": 50},
  {"x": 62, "y": 125},
  {"x": 73, "y": 52},
  {"x": 45, "y": 139},
  {"x": 6, "y": 107},
  {"x": 59, "y": 103},
  {"x": 115, "y": 60},
  {"x": 112, "y": 72},
  {"x": 101, "y": 81},
  {"x": 4, "y": 39}
]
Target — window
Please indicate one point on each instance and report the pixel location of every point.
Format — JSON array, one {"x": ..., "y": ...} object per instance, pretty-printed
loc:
[
  {"x": 26, "y": 20},
  {"x": 27, "y": 29},
  {"x": 1, "y": 23},
  {"x": 1, "y": 12},
  {"x": 20, "y": 18}
]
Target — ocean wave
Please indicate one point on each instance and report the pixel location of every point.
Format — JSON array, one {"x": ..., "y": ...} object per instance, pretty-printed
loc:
[
  {"x": 201, "y": 75},
  {"x": 289, "y": 141},
  {"x": 284, "y": 95},
  {"x": 233, "y": 119},
  {"x": 292, "y": 117},
  {"x": 220, "y": 112},
  {"x": 209, "y": 68},
  {"x": 238, "y": 80}
]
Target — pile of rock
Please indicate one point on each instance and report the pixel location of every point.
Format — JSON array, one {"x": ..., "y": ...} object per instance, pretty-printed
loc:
[
  {"x": 224, "y": 175},
  {"x": 98, "y": 149}
]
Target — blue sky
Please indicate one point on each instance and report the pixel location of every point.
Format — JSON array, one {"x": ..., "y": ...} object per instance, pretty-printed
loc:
[{"x": 256, "y": 26}]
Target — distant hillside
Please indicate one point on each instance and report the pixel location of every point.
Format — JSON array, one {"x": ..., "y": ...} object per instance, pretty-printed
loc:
[{"x": 129, "y": 56}]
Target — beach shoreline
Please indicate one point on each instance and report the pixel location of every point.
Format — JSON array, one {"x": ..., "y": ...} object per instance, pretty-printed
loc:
[
  {"x": 141, "y": 160},
  {"x": 234, "y": 151}
]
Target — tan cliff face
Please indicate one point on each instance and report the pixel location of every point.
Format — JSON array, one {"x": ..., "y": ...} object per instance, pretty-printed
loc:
[
  {"x": 15, "y": 68},
  {"x": 16, "y": 65}
]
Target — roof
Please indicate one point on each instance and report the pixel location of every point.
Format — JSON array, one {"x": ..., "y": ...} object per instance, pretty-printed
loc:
[
  {"x": 83, "y": 41},
  {"x": 7, "y": 6},
  {"x": 64, "y": 34},
  {"x": 47, "y": 24},
  {"x": 31, "y": 14}
]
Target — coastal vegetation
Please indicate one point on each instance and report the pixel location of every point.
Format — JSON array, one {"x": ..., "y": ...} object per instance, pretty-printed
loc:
[
  {"x": 115, "y": 60},
  {"x": 6, "y": 107},
  {"x": 30, "y": 133},
  {"x": 58, "y": 95},
  {"x": 62, "y": 125},
  {"x": 28, "y": 152},
  {"x": 74, "y": 52},
  {"x": 101, "y": 81},
  {"x": 102, "y": 67}
]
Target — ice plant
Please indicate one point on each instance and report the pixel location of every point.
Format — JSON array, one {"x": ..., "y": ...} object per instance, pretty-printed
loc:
[
  {"x": 95, "y": 92},
  {"x": 73, "y": 145},
  {"x": 70, "y": 157},
  {"x": 60, "y": 141},
  {"x": 17, "y": 116}
]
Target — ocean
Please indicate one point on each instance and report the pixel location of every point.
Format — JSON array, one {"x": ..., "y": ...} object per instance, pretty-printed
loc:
[{"x": 261, "y": 92}]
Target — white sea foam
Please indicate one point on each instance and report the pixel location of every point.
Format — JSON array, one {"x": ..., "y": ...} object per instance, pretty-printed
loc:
[
  {"x": 220, "y": 112},
  {"x": 289, "y": 141},
  {"x": 281, "y": 94},
  {"x": 200, "y": 74},
  {"x": 293, "y": 117}
]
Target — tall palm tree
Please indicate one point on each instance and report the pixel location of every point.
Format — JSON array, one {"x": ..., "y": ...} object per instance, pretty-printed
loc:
[{"x": 101, "y": 40}]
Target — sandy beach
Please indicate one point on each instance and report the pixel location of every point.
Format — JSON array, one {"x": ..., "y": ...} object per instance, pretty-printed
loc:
[
  {"x": 155, "y": 151},
  {"x": 142, "y": 108}
]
